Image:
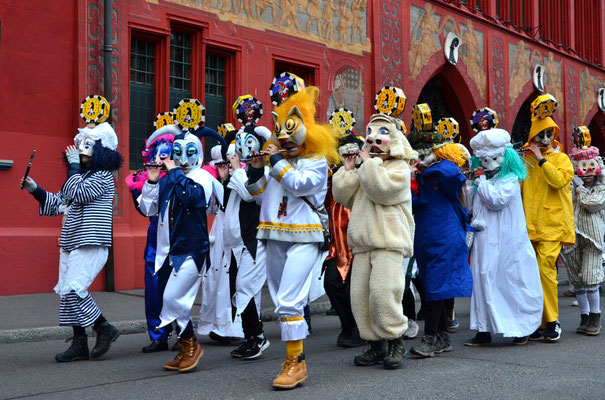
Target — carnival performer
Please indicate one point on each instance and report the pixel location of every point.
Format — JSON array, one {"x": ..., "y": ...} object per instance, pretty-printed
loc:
[
  {"x": 381, "y": 235},
  {"x": 157, "y": 148},
  {"x": 507, "y": 295},
  {"x": 181, "y": 199},
  {"x": 584, "y": 259},
  {"x": 245, "y": 254},
  {"x": 337, "y": 266},
  {"x": 288, "y": 222},
  {"x": 440, "y": 238},
  {"x": 216, "y": 310},
  {"x": 548, "y": 207},
  {"x": 86, "y": 200}
]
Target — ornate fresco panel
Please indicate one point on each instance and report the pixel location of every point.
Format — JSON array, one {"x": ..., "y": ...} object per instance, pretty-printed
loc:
[
  {"x": 390, "y": 40},
  {"x": 348, "y": 93},
  {"x": 339, "y": 24},
  {"x": 471, "y": 52},
  {"x": 571, "y": 78},
  {"x": 519, "y": 69},
  {"x": 498, "y": 86},
  {"x": 588, "y": 93},
  {"x": 553, "y": 81}
]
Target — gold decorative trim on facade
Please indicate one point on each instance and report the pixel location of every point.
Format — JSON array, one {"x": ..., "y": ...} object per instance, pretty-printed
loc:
[{"x": 340, "y": 24}]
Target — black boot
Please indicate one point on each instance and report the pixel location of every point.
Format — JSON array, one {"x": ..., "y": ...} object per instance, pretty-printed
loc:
[
  {"x": 583, "y": 324},
  {"x": 395, "y": 354},
  {"x": 593, "y": 328},
  {"x": 353, "y": 339},
  {"x": 443, "y": 343},
  {"x": 374, "y": 354},
  {"x": 106, "y": 334},
  {"x": 77, "y": 351},
  {"x": 480, "y": 339},
  {"x": 155, "y": 346}
]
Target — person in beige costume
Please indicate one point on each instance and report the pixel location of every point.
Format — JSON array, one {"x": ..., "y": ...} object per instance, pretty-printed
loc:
[{"x": 381, "y": 235}]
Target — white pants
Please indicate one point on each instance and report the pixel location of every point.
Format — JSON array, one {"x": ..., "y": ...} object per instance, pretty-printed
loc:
[
  {"x": 79, "y": 268},
  {"x": 251, "y": 276},
  {"x": 291, "y": 269},
  {"x": 179, "y": 294}
]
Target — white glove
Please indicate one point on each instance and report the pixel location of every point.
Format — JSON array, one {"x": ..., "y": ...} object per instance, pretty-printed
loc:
[
  {"x": 30, "y": 185},
  {"x": 72, "y": 156},
  {"x": 577, "y": 181}
]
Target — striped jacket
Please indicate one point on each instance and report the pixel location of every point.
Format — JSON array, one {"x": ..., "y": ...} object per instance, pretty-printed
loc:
[{"x": 89, "y": 198}]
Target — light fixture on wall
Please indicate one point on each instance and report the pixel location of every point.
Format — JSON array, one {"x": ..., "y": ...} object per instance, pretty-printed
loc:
[
  {"x": 538, "y": 77},
  {"x": 601, "y": 98},
  {"x": 452, "y": 43}
]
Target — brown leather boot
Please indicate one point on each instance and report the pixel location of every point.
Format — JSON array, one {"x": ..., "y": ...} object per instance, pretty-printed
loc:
[
  {"x": 192, "y": 352},
  {"x": 174, "y": 364},
  {"x": 294, "y": 373}
]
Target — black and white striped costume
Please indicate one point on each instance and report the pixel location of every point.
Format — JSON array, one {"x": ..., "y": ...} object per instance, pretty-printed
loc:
[{"x": 86, "y": 200}]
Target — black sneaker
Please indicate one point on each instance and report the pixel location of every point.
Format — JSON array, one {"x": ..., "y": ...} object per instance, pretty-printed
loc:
[
  {"x": 480, "y": 339},
  {"x": 221, "y": 339},
  {"x": 106, "y": 335},
  {"x": 155, "y": 346},
  {"x": 77, "y": 351},
  {"x": 255, "y": 348},
  {"x": 373, "y": 354},
  {"x": 520, "y": 341},
  {"x": 537, "y": 335},
  {"x": 426, "y": 347},
  {"x": 553, "y": 331},
  {"x": 395, "y": 354},
  {"x": 237, "y": 353}
]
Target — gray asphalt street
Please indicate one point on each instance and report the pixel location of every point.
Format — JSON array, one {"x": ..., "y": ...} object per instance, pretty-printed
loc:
[{"x": 573, "y": 368}]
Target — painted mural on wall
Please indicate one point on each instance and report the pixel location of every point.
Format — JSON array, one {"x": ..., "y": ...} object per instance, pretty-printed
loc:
[
  {"x": 427, "y": 31},
  {"x": 340, "y": 24},
  {"x": 553, "y": 81},
  {"x": 589, "y": 84},
  {"x": 348, "y": 93}
]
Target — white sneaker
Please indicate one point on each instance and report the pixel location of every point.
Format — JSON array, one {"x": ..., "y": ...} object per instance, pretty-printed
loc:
[{"x": 412, "y": 330}]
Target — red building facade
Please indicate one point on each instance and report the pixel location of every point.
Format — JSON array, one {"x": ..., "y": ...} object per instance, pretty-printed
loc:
[{"x": 51, "y": 57}]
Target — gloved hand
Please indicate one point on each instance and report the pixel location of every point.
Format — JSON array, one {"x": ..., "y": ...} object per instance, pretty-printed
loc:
[
  {"x": 577, "y": 181},
  {"x": 72, "y": 155},
  {"x": 30, "y": 185}
]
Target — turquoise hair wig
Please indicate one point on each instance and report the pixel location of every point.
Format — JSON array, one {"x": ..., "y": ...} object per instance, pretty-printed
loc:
[{"x": 511, "y": 165}]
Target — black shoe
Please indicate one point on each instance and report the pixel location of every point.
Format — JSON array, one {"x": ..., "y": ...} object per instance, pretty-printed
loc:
[
  {"x": 583, "y": 324},
  {"x": 373, "y": 354},
  {"x": 177, "y": 345},
  {"x": 220, "y": 339},
  {"x": 237, "y": 353},
  {"x": 537, "y": 335},
  {"x": 426, "y": 347},
  {"x": 155, "y": 346},
  {"x": 255, "y": 348},
  {"x": 553, "y": 331},
  {"x": 480, "y": 339},
  {"x": 353, "y": 340},
  {"x": 395, "y": 354},
  {"x": 77, "y": 351},
  {"x": 342, "y": 337},
  {"x": 331, "y": 311},
  {"x": 593, "y": 326},
  {"x": 520, "y": 341},
  {"x": 442, "y": 343},
  {"x": 106, "y": 335}
]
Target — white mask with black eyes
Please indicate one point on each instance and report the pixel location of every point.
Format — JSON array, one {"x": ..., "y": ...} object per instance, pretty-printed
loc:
[
  {"x": 426, "y": 160},
  {"x": 544, "y": 138},
  {"x": 492, "y": 164},
  {"x": 85, "y": 144},
  {"x": 187, "y": 152}
]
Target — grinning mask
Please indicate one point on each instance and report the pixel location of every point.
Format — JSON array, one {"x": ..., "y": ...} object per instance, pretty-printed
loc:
[
  {"x": 544, "y": 138},
  {"x": 385, "y": 135},
  {"x": 85, "y": 143},
  {"x": 187, "y": 152},
  {"x": 248, "y": 142},
  {"x": 586, "y": 161}
]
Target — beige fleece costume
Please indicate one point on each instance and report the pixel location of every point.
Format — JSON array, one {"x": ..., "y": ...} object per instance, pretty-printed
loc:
[{"x": 380, "y": 234}]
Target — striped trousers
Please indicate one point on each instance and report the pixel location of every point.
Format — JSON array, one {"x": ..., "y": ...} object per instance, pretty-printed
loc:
[
  {"x": 584, "y": 264},
  {"x": 77, "y": 311}
]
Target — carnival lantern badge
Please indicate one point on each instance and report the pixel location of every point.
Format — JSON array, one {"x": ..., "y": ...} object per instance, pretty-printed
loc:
[
  {"x": 284, "y": 86},
  {"x": 342, "y": 120},
  {"x": 247, "y": 109},
  {"x": 163, "y": 119},
  {"x": 94, "y": 110},
  {"x": 581, "y": 137},
  {"x": 449, "y": 128},
  {"x": 390, "y": 101},
  {"x": 543, "y": 106},
  {"x": 226, "y": 130},
  {"x": 421, "y": 115},
  {"x": 483, "y": 119},
  {"x": 189, "y": 115}
]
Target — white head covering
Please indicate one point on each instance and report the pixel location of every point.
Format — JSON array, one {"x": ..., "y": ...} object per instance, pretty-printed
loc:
[
  {"x": 490, "y": 143},
  {"x": 216, "y": 155},
  {"x": 102, "y": 131}
]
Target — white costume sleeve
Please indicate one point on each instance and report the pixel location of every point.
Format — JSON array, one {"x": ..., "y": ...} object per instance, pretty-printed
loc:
[
  {"x": 148, "y": 200},
  {"x": 238, "y": 183},
  {"x": 498, "y": 194},
  {"x": 305, "y": 181}
]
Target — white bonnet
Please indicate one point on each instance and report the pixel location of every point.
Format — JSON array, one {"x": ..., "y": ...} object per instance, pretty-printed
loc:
[
  {"x": 103, "y": 131},
  {"x": 490, "y": 143}
]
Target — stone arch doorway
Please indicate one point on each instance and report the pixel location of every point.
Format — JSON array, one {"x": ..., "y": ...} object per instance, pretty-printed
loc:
[
  {"x": 597, "y": 131},
  {"x": 445, "y": 101},
  {"x": 520, "y": 131}
]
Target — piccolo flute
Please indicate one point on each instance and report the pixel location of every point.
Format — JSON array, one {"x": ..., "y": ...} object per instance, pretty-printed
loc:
[{"x": 31, "y": 160}]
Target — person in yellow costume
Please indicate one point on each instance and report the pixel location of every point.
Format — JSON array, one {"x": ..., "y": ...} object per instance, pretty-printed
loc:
[{"x": 548, "y": 207}]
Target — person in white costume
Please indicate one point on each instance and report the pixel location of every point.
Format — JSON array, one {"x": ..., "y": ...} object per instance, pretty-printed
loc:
[
  {"x": 182, "y": 198},
  {"x": 216, "y": 309},
  {"x": 507, "y": 294}
]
